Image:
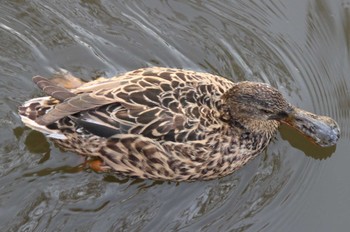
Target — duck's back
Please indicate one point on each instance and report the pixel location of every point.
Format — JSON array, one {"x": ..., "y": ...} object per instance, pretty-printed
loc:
[{"x": 157, "y": 102}]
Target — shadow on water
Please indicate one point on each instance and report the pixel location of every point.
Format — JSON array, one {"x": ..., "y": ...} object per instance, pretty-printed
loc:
[
  {"x": 299, "y": 141},
  {"x": 35, "y": 141}
]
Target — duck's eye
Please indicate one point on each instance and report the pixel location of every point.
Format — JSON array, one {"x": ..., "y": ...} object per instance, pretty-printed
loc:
[{"x": 265, "y": 111}]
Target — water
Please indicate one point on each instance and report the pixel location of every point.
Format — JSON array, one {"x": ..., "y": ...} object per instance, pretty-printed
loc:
[{"x": 301, "y": 47}]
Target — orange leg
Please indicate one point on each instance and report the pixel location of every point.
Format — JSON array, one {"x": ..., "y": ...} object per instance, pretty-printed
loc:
[{"x": 96, "y": 165}]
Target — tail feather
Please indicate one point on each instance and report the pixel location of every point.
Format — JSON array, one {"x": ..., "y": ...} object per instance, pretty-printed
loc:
[
  {"x": 33, "y": 111},
  {"x": 52, "y": 89},
  {"x": 35, "y": 108}
]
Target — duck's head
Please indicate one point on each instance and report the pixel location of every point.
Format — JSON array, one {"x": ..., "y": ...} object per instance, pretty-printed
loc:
[{"x": 260, "y": 103}]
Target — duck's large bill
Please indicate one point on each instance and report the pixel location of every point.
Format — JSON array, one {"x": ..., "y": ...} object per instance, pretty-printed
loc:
[{"x": 323, "y": 130}]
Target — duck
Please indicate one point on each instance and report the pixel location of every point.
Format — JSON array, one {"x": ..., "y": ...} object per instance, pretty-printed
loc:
[{"x": 168, "y": 124}]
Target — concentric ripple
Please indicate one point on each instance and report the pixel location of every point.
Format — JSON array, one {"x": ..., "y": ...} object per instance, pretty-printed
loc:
[{"x": 300, "y": 47}]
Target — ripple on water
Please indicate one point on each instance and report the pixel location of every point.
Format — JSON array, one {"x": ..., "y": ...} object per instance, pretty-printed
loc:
[{"x": 242, "y": 40}]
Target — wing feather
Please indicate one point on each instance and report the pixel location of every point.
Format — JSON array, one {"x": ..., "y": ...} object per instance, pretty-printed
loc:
[
  {"x": 167, "y": 105},
  {"x": 79, "y": 103}
]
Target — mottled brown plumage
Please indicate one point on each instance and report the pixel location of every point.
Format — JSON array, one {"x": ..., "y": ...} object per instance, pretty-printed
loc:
[{"x": 167, "y": 124}]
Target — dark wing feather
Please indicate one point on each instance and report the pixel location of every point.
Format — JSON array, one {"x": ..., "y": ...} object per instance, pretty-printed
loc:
[
  {"x": 96, "y": 128},
  {"x": 74, "y": 105},
  {"x": 167, "y": 116}
]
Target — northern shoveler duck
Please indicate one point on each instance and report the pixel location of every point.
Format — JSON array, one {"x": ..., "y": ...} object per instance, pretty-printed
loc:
[{"x": 169, "y": 124}]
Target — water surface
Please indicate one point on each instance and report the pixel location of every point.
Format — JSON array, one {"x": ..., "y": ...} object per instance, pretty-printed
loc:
[{"x": 300, "y": 47}]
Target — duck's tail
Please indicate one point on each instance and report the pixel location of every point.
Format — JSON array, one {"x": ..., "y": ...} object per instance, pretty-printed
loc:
[{"x": 35, "y": 108}]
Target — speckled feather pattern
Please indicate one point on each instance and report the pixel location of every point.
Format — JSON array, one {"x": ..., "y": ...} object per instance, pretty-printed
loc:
[{"x": 151, "y": 123}]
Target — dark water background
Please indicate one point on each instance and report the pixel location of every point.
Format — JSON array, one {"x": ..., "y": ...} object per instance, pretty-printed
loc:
[{"x": 301, "y": 47}]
